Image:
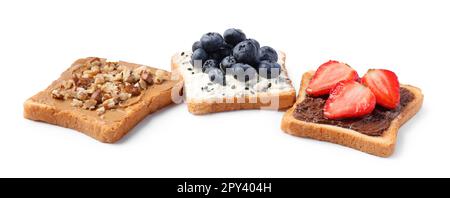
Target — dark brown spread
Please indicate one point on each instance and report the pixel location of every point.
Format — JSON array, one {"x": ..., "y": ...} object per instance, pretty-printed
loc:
[{"x": 311, "y": 110}]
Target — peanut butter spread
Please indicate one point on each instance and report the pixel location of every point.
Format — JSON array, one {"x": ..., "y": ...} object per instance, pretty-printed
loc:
[{"x": 95, "y": 87}]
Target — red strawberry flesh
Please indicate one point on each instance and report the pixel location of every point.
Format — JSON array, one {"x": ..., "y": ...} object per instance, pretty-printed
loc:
[
  {"x": 349, "y": 99},
  {"x": 384, "y": 85},
  {"x": 328, "y": 75}
]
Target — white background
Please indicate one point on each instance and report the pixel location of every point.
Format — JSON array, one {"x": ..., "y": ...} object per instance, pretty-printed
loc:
[{"x": 40, "y": 39}]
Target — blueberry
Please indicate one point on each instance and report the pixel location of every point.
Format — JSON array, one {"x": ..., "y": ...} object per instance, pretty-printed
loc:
[
  {"x": 246, "y": 52},
  {"x": 243, "y": 72},
  {"x": 196, "y": 45},
  {"x": 234, "y": 36},
  {"x": 210, "y": 64},
  {"x": 216, "y": 76},
  {"x": 224, "y": 51},
  {"x": 255, "y": 42},
  {"x": 268, "y": 69},
  {"x": 228, "y": 45},
  {"x": 199, "y": 55},
  {"x": 211, "y": 41},
  {"x": 268, "y": 53},
  {"x": 227, "y": 62}
]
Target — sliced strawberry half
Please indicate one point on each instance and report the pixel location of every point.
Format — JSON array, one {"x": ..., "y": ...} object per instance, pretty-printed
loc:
[
  {"x": 384, "y": 84},
  {"x": 328, "y": 75},
  {"x": 349, "y": 99}
]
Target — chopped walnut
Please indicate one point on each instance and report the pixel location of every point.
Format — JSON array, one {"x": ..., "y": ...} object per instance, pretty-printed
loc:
[
  {"x": 124, "y": 96},
  {"x": 118, "y": 77},
  {"x": 95, "y": 69},
  {"x": 147, "y": 77},
  {"x": 133, "y": 90},
  {"x": 56, "y": 94},
  {"x": 88, "y": 74},
  {"x": 160, "y": 76},
  {"x": 97, "y": 96},
  {"x": 106, "y": 96},
  {"x": 99, "y": 79},
  {"x": 77, "y": 103},
  {"x": 68, "y": 94},
  {"x": 101, "y": 110},
  {"x": 95, "y": 62},
  {"x": 126, "y": 75},
  {"x": 104, "y": 85},
  {"x": 81, "y": 93},
  {"x": 109, "y": 87},
  {"x": 83, "y": 82},
  {"x": 107, "y": 68},
  {"x": 67, "y": 84},
  {"x": 109, "y": 104},
  {"x": 136, "y": 74},
  {"x": 142, "y": 84},
  {"x": 121, "y": 68},
  {"x": 90, "y": 104}
]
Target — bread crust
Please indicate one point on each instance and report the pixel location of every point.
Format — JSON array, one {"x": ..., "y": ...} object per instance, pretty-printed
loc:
[
  {"x": 103, "y": 130},
  {"x": 200, "y": 107},
  {"x": 382, "y": 146}
]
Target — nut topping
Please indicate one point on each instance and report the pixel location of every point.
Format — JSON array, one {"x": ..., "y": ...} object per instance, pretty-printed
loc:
[
  {"x": 147, "y": 77},
  {"x": 133, "y": 90},
  {"x": 89, "y": 104},
  {"x": 101, "y": 110},
  {"x": 101, "y": 85},
  {"x": 160, "y": 76},
  {"x": 142, "y": 84},
  {"x": 83, "y": 82},
  {"x": 97, "y": 95},
  {"x": 56, "y": 94},
  {"x": 77, "y": 103},
  {"x": 109, "y": 104}
]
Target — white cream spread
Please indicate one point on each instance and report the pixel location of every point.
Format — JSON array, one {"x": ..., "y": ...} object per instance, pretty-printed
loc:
[{"x": 198, "y": 86}]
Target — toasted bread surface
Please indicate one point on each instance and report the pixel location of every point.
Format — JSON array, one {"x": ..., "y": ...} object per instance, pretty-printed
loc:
[
  {"x": 382, "y": 146},
  {"x": 110, "y": 127}
]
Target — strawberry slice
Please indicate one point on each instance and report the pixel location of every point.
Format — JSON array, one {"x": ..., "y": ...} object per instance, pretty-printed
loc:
[
  {"x": 328, "y": 75},
  {"x": 384, "y": 84},
  {"x": 349, "y": 99}
]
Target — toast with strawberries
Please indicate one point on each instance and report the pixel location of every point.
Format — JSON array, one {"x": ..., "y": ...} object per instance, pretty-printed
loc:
[{"x": 335, "y": 105}]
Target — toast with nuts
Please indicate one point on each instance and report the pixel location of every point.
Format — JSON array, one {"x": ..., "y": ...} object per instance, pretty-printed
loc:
[
  {"x": 101, "y": 99},
  {"x": 381, "y": 143},
  {"x": 203, "y": 96}
]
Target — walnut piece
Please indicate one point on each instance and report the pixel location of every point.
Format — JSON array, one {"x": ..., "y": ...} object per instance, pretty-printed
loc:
[
  {"x": 109, "y": 104},
  {"x": 147, "y": 77},
  {"x": 97, "y": 95},
  {"x": 89, "y": 104},
  {"x": 56, "y": 94},
  {"x": 142, "y": 84},
  {"x": 102, "y": 85},
  {"x": 77, "y": 103},
  {"x": 133, "y": 90},
  {"x": 101, "y": 110},
  {"x": 160, "y": 76},
  {"x": 67, "y": 84}
]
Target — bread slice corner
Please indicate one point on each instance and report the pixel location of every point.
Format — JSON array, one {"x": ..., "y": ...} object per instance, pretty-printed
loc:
[{"x": 382, "y": 146}]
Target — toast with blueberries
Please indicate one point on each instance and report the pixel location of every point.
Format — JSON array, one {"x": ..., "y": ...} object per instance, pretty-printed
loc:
[
  {"x": 232, "y": 72},
  {"x": 337, "y": 106}
]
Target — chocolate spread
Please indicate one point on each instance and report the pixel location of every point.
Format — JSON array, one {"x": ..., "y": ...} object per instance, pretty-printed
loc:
[{"x": 311, "y": 110}]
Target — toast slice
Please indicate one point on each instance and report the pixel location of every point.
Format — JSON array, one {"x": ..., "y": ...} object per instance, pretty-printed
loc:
[
  {"x": 116, "y": 112},
  {"x": 203, "y": 97},
  {"x": 382, "y": 145}
]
